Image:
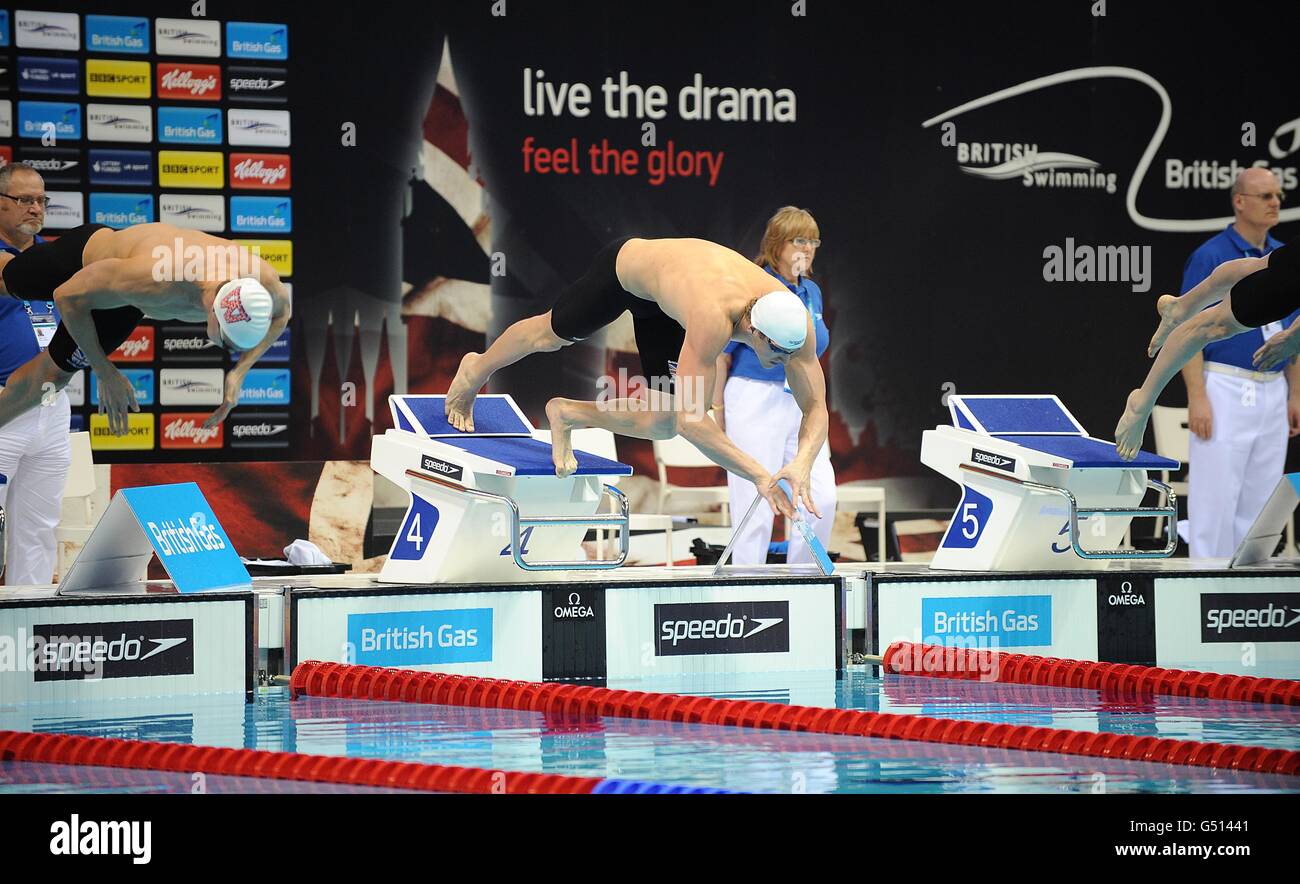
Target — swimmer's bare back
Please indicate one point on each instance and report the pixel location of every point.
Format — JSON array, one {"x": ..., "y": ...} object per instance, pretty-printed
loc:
[
  {"x": 685, "y": 275},
  {"x": 142, "y": 239}
]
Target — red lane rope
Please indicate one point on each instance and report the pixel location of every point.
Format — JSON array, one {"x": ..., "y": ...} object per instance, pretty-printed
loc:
[
  {"x": 183, "y": 758},
  {"x": 938, "y": 661},
  {"x": 318, "y": 679}
]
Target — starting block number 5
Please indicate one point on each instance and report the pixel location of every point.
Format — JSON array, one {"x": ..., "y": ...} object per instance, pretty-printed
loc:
[{"x": 969, "y": 520}]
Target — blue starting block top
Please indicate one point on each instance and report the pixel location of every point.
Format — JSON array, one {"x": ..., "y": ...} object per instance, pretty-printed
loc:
[
  {"x": 1089, "y": 453},
  {"x": 494, "y": 415},
  {"x": 1043, "y": 423},
  {"x": 531, "y": 457},
  {"x": 501, "y": 434}
]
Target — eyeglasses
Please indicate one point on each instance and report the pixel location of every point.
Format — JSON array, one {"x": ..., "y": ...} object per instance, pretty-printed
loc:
[
  {"x": 1268, "y": 197},
  {"x": 28, "y": 201},
  {"x": 804, "y": 241}
]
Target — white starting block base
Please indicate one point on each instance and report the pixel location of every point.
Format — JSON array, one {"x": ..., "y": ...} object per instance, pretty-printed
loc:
[
  {"x": 486, "y": 506},
  {"x": 1037, "y": 491},
  {"x": 1175, "y": 613}
]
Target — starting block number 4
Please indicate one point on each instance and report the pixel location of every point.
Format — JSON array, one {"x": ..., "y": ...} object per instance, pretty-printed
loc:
[{"x": 416, "y": 531}]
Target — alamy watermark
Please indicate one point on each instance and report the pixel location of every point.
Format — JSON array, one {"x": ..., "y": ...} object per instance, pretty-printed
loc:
[{"x": 1102, "y": 263}]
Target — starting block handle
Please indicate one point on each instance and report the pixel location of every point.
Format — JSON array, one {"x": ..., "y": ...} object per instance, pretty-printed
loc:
[
  {"x": 620, "y": 521},
  {"x": 1170, "y": 512}
]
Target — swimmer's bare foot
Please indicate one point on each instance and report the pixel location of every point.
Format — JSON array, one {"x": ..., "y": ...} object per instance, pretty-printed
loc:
[
  {"x": 561, "y": 442},
  {"x": 1167, "y": 307},
  {"x": 462, "y": 392},
  {"x": 1132, "y": 427}
]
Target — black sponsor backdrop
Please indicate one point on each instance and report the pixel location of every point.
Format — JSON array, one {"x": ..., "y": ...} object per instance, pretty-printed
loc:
[{"x": 933, "y": 278}]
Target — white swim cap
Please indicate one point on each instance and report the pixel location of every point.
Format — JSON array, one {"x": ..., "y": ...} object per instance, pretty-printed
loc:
[
  {"x": 243, "y": 308},
  {"x": 782, "y": 317}
]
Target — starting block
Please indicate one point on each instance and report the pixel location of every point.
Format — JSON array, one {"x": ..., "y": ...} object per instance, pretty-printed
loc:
[
  {"x": 487, "y": 506},
  {"x": 1031, "y": 479}
]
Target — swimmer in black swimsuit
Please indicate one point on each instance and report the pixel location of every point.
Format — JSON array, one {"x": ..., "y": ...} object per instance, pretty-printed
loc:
[
  {"x": 104, "y": 281},
  {"x": 1251, "y": 292}
]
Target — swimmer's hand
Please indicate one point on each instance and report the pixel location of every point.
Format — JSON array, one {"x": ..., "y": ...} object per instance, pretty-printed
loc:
[
  {"x": 775, "y": 496},
  {"x": 116, "y": 399},
  {"x": 1278, "y": 349},
  {"x": 234, "y": 383},
  {"x": 799, "y": 477}
]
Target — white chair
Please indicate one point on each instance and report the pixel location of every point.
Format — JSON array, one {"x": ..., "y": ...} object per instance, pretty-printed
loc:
[
  {"x": 1173, "y": 439},
  {"x": 595, "y": 440},
  {"x": 78, "y": 518},
  {"x": 677, "y": 452},
  {"x": 856, "y": 498}
]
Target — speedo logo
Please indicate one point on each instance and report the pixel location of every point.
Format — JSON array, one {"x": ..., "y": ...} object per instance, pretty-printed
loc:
[
  {"x": 1235, "y": 617},
  {"x": 441, "y": 467},
  {"x": 130, "y": 649},
  {"x": 997, "y": 461},
  {"x": 722, "y": 628}
]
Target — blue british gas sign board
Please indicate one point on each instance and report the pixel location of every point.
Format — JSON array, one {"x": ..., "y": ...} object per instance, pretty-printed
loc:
[
  {"x": 1010, "y": 621},
  {"x": 257, "y": 40},
  {"x": 189, "y": 541},
  {"x": 421, "y": 638},
  {"x": 117, "y": 33}
]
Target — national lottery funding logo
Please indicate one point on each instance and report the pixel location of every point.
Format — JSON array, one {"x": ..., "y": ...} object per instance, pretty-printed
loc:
[{"x": 419, "y": 638}]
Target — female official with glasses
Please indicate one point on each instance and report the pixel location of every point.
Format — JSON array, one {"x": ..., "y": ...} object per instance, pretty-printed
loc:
[
  {"x": 755, "y": 406},
  {"x": 34, "y": 451}
]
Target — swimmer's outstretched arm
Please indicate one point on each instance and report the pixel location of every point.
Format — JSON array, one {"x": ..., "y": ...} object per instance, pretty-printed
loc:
[
  {"x": 100, "y": 286},
  {"x": 280, "y": 316},
  {"x": 1215, "y": 287}
]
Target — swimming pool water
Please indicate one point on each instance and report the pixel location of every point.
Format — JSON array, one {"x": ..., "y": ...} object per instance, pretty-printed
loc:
[{"x": 738, "y": 759}]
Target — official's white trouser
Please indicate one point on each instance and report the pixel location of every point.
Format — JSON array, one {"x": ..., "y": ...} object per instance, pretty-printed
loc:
[
  {"x": 763, "y": 420},
  {"x": 34, "y": 455},
  {"x": 1231, "y": 475}
]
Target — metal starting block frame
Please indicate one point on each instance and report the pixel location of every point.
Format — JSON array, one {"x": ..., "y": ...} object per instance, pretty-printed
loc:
[
  {"x": 483, "y": 501},
  {"x": 1030, "y": 475}
]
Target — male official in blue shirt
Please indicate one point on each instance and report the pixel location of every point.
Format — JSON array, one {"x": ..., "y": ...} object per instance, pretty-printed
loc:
[
  {"x": 1238, "y": 416},
  {"x": 34, "y": 452}
]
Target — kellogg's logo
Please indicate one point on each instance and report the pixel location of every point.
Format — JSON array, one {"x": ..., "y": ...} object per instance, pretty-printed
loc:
[
  {"x": 187, "y": 431},
  {"x": 260, "y": 171},
  {"x": 191, "y": 82},
  {"x": 137, "y": 348}
]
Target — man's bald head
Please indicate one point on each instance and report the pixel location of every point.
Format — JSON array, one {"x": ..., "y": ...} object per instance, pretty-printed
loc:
[{"x": 1257, "y": 197}]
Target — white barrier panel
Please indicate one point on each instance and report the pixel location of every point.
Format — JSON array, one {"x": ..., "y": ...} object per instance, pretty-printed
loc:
[
  {"x": 673, "y": 629},
  {"x": 1229, "y": 624},
  {"x": 579, "y": 629},
  {"x": 56, "y": 650},
  {"x": 495, "y": 634},
  {"x": 1051, "y": 617}
]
